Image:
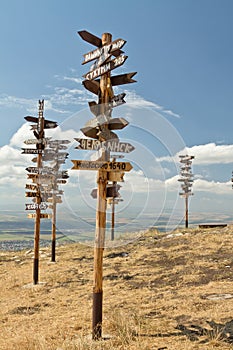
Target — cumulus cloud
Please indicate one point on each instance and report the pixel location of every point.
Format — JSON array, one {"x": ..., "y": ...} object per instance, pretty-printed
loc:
[{"x": 205, "y": 154}]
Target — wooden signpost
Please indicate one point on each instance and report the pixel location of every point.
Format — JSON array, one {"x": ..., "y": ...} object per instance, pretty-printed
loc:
[
  {"x": 187, "y": 182},
  {"x": 45, "y": 179},
  {"x": 104, "y": 139}
]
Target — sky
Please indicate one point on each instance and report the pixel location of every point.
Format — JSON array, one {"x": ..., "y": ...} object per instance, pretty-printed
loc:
[{"x": 182, "y": 102}]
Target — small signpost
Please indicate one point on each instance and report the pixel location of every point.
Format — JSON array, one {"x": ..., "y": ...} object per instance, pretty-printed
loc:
[
  {"x": 103, "y": 138},
  {"x": 187, "y": 181},
  {"x": 45, "y": 179}
]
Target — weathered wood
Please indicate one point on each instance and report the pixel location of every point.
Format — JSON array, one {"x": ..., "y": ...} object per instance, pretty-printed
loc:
[
  {"x": 101, "y": 165},
  {"x": 113, "y": 64},
  {"x": 123, "y": 79},
  {"x": 111, "y": 145},
  {"x": 111, "y": 48}
]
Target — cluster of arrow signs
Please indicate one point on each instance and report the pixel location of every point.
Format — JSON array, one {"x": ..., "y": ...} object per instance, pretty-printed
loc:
[{"x": 186, "y": 175}]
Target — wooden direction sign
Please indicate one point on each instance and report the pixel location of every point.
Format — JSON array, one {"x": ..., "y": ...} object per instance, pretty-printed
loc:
[
  {"x": 31, "y": 151},
  {"x": 35, "y": 141},
  {"x": 105, "y": 51},
  {"x": 96, "y": 165},
  {"x": 112, "y": 191},
  {"x": 55, "y": 199},
  {"x": 62, "y": 182},
  {"x": 107, "y": 134},
  {"x": 35, "y": 206},
  {"x": 118, "y": 100},
  {"x": 31, "y": 194},
  {"x": 116, "y": 62},
  {"x": 94, "y": 85},
  {"x": 111, "y": 145},
  {"x": 42, "y": 216},
  {"x": 48, "y": 124},
  {"x": 123, "y": 79},
  {"x": 31, "y": 187}
]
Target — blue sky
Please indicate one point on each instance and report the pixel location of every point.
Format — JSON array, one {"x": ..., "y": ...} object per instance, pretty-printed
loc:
[{"x": 181, "y": 49}]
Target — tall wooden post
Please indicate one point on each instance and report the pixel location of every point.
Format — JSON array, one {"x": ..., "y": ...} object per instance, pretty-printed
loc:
[
  {"x": 100, "y": 216},
  {"x": 113, "y": 215},
  {"x": 38, "y": 198},
  {"x": 54, "y": 214},
  {"x": 186, "y": 212}
]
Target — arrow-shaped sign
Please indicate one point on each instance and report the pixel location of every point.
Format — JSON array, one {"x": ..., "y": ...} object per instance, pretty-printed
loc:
[
  {"x": 92, "y": 130},
  {"x": 96, "y": 165},
  {"x": 35, "y": 206},
  {"x": 31, "y": 151},
  {"x": 111, "y": 145},
  {"x": 42, "y": 216},
  {"x": 105, "y": 51},
  {"x": 116, "y": 62},
  {"x": 94, "y": 85}
]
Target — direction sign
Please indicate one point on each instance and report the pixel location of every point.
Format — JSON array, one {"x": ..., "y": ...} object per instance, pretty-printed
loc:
[
  {"x": 101, "y": 165},
  {"x": 31, "y": 194},
  {"x": 55, "y": 200},
  {"x": 35, "y": 141},
  {"x": 35, "y": 206},
  {"x": 112, "y": 191},
  {"x": 42, "y": 216},
  {"x": 31, "y": 187},
  {"x": 116, "y": 62},
  {"x": 94, "y": 85},
  {"x": 31, "y": 151},
  {"x": 62, "y": 182},
  {"x": 48, "y": 124},
  {"x": 103, "y": 51},
  {"x": 111, "y": 145},
  {"x": 123, "y": 79},
  {"x": 118, "y": 100}
]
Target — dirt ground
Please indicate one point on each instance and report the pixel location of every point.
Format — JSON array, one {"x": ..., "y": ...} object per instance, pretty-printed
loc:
[{"x": 163, "y": 291}]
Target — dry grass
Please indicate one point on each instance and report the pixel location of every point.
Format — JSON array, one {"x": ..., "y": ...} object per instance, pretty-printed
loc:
[{"x": 166, "y": 294}]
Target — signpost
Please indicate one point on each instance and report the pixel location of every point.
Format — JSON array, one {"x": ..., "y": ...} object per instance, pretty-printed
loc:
[
  {"x": 99, "y": 129},
  {"x": 186, "y": 179},
  {"x": 102, "y": 165},
  {"x": 110, "y": 146}
]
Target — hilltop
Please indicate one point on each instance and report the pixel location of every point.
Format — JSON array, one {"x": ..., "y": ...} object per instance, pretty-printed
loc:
[{"x": 160, "y": 292}]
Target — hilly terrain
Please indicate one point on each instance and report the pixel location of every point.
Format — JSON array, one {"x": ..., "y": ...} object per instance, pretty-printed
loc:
[{"x": 162, "y": 291}]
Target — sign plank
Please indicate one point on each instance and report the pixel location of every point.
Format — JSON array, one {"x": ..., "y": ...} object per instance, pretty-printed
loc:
[
  {"x": 92, "y": 85},
  {"x": 31, "y": 151},
  {"x": 111, "y": 145},
  {"x": 106, "y": 50},
  {"x": 31, "y": 194},
  {"x": 35, "y": 206},
  {"x": 96, "y": 165},
  {"x": 115, "y": 63},
  {"x": 123, "y": 79},
  {"x": 90, "y": 38},
  {"x": 42, "y": 216},
  {"x": 31, "y": 187}
]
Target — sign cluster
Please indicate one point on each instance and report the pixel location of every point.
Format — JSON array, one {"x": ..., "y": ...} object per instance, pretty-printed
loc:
[
  {"x": 101, "y": 136},
  {"x": 44, "y": 190},
  {"x": 99, "y": 129},
  {"x": 186, "y": 180},
  {"x": 186, "y": 175}
]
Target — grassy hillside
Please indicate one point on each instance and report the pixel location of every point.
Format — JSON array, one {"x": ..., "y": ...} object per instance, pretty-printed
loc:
[{"x": 160, "y": 292}]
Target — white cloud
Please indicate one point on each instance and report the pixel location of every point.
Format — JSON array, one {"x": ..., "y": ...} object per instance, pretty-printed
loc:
[
  {"x": 201, "y": 185},
  {"x": 205, "y": 154}
]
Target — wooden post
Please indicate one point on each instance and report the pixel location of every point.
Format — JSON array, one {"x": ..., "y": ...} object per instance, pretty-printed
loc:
[
  {"x": 54, "y": 214},
  {"x": 100, "y": 216},
  {"x": 113, "y": 215},
  {"x": 186, "y": 212},
  {"x": 38, "y": 198}
]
